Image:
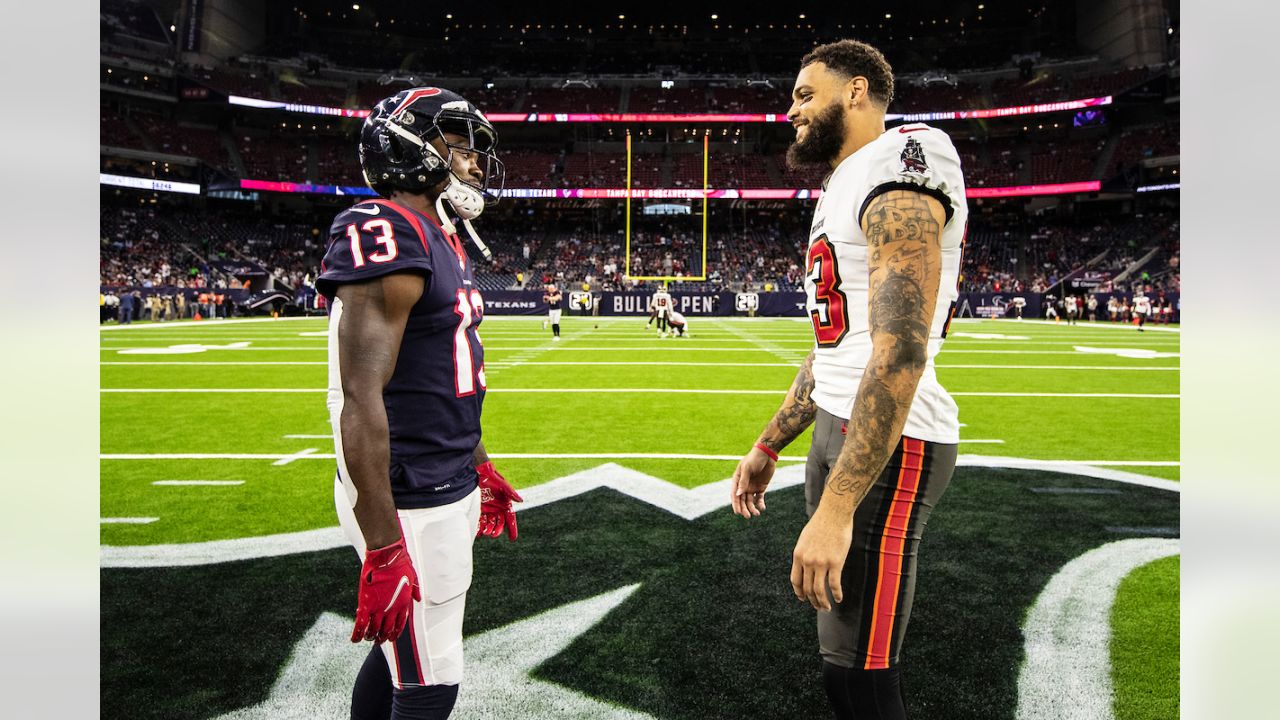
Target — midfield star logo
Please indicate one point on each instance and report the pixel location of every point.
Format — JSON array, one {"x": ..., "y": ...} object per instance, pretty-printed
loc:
[{"x": 624, "y": 599}]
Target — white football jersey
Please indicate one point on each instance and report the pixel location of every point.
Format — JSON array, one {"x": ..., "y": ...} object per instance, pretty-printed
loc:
[
  {"x": 915, "y": 157},
  {"x": 1142, "y": 305},
  {"x": 661, "y": 300}
]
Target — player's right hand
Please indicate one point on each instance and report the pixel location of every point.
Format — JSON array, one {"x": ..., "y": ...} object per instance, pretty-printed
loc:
[
  {"x": 750, "y": 479},
  {"x": 388, "y": 589}
]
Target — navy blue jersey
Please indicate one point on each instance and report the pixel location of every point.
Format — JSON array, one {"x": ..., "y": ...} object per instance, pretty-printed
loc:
[{"x": 435, "y": 395}]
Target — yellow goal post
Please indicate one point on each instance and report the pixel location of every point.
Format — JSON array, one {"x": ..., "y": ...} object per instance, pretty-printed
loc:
[{"x": 706, "y": 165}]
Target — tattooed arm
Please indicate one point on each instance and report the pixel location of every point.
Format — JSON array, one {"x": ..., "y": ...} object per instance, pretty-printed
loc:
[
  {"x": 904, "y": 230},
  {"x": 797, "y": 411},
  {"x": 904, "y": 252},
  {"x": 751, "y": 477}
]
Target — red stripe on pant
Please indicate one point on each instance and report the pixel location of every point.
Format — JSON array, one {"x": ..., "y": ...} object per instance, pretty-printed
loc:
[{"x": 893, "y": 541}]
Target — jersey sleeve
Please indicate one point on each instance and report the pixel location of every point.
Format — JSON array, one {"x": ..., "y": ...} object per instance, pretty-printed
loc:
[
  {"x": 364, "y": 245},
  {"x": 920, "y": 158}
]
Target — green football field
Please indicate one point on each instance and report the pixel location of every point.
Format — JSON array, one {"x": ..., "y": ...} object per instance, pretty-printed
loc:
[{"x": 217, "y": 431}]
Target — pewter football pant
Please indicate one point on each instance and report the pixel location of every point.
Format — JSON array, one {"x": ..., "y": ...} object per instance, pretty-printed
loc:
[{"x": 866, "y": 630}]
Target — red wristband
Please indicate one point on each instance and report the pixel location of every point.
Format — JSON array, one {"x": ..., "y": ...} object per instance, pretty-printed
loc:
[{"x": 765, "y": 449}]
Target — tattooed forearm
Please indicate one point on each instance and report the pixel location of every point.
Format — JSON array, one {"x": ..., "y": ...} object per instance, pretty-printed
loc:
[
  {"x": 870, "y": 431},
  {"x": 797, "y": 411},
  {"x": 903, "y": 231}
]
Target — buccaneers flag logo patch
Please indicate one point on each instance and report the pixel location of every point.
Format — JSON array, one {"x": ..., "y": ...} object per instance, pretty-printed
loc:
[{"x": 913, "y": 157}]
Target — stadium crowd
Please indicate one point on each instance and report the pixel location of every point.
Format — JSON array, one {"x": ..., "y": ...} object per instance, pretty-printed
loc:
[{"x": 763, "y": 250}]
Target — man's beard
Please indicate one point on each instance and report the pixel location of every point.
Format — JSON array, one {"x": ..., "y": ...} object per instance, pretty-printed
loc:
[{"x": 823, "y": 141}]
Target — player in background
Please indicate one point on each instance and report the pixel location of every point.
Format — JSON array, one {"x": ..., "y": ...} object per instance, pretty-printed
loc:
[
  {"x": 414, "y": 484},
  {"x": 1162, "y": 309},
  {"x": 653, "y": 314},
  {"x": 1141, "y": 309},
  {"x": 679, "y": 326},
  {"x": 1016, "y": 307},
  {"x": 554, "y": 299},
  {"x": 1092, "y": 304},
  {"x": 883, "y": 266},
  {"x": 662, "y": 307},
  {"x": 1073, "y": 309},
  {"x": 1113, "y": 308},
  {"x": 1051, "y": 308}
]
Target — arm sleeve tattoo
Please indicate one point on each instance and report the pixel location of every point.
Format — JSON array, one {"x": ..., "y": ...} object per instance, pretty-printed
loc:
[
  {"x": 797, "y": 411},
  {"x": 904, "y": 230}
]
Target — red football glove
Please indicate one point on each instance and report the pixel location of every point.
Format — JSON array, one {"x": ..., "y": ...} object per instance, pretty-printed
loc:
[
  {"x": 496, "y": 495},
  {"x": 388, "y": 589}
]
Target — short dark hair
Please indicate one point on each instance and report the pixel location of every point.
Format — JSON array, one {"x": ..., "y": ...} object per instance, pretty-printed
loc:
[{"x": 852, "y": 58}]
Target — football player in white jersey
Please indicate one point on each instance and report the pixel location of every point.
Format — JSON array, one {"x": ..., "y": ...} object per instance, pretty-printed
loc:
[
  {"x": 1141, "y": 309},
  {"x": 1073, "y": 309},
  {"x": 679, "y": 326},
  {"x": 662, "y": 308},
  {"x": 883, "y": 267}
]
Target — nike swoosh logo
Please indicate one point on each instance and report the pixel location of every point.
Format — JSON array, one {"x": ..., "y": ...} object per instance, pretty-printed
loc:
[
  {"x": 901, "y": 130},
  {"x": 404, "y": 582},
  {"x": 367, "y": 211}
]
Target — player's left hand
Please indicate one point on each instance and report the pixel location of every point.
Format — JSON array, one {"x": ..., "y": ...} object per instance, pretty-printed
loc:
[
  {"x": 496, "y": 495},
  {"x": 818, "y": 560}
]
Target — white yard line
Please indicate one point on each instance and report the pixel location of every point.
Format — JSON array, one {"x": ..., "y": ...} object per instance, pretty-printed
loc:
[
  {"x": 185, "y": 324},
  {"x": 1173, "y": 368},
  {"x": 127, "y": 520},
  {"x": 212, "y": 390},
  {"x": 1145, "y": 396},
  {"x": 326, "y": 436},
  {"x": 948, "y": 349},
  {"x": 666, "y": 391},
  {"x": 300, "y": 455},
  {"x": 294, "y": 348},
  {"x": 210, "y": 483},
  {"x": 192, "y": 362},
  {"x": 1134, "y": 342}
]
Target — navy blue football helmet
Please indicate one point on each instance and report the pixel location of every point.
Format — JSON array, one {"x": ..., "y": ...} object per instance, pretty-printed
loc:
[{"x": 395, "y": 152}]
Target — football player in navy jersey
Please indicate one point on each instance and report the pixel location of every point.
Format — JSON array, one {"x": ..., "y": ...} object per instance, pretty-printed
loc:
[{"x": 414, "y": 484}]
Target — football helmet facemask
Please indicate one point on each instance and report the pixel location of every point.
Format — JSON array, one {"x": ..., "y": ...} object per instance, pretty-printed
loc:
[{"x": 396, "y": 152}]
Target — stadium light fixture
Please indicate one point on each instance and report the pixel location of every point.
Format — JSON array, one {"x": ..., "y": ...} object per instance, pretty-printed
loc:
[
  {"x": 888, "y": 16},
  {"x": 355, "y": 6},
  {"x": 715, "y": 16}
]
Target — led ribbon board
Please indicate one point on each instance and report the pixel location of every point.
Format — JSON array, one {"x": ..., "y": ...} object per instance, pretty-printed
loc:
[
  {"x": 1012, "y": 111},
  {"x": 138, "y": 183},
  {"x": 665, "y": 193}
]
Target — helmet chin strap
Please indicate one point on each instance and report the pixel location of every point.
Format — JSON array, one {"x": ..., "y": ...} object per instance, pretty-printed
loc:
[{"x": 447, "y": 225}]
